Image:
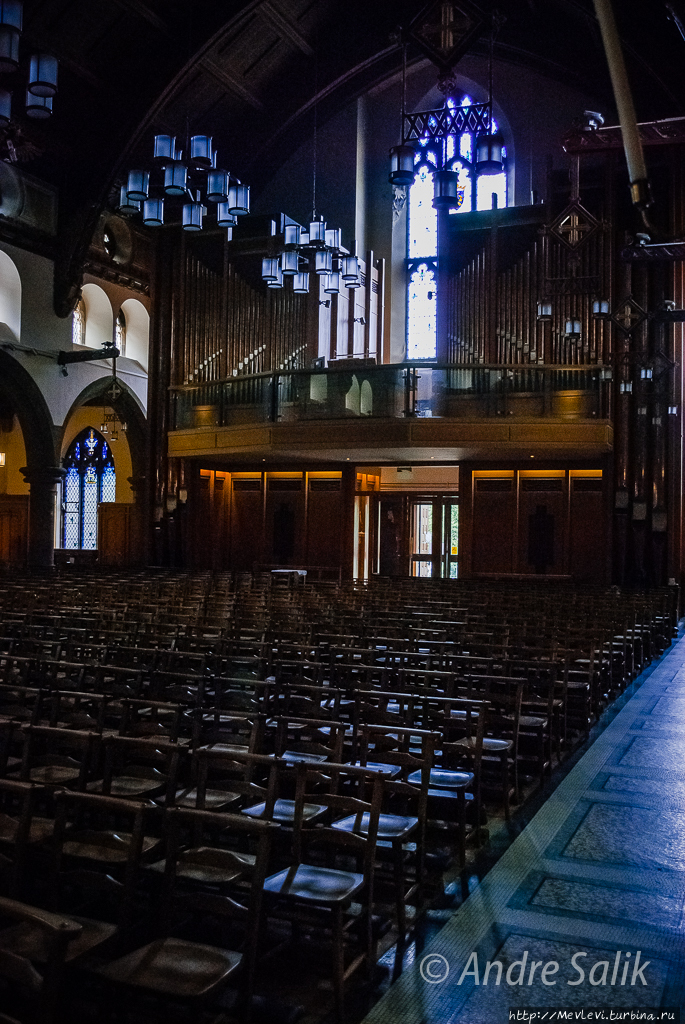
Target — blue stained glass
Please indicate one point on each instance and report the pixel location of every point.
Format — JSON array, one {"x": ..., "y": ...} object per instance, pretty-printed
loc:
[
  {"x": 89, "y": 515},
  {"x": 421, "y": 335},
  {"x": 108, "y": 484},
  {"x": 77, "y": 451},
  {"x": 466, "y": 146},
  {"x": 423, "y": 219},
  {"x": 104, "y": 449},
  {"x": 91, "y": 442},
  {"x": 72, "y": 502}
]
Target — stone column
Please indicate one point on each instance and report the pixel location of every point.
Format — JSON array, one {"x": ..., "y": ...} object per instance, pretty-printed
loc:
[{"x": 42, "y": 514}]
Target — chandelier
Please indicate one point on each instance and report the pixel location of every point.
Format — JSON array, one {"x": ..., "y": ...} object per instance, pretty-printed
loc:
[
  {"x": 316, "y": 248},
  {"x": 42, "y": 74},
  {"x": 196, "y": 181}
]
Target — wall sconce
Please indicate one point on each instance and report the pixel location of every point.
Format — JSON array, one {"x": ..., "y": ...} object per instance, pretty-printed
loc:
[
  {"x": 626, "y": 387},
  {"x": 646, "y": 373},
  {"x": 2, "y": 459},
  {"x": 600, "y": 309},
  {"x": 672, "y": 411},
  {"x": 544, "y": 312},
  {"x": 183, "y": 495}
]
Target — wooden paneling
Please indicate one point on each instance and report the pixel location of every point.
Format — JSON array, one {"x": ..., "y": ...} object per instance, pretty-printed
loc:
[
  {"x": 118, "y": 534},
  {"x": 494, "y": 521},
  {"x": 14, "y": 524},
  {"x": 246, "y": 524},
  {"x": 587, "y": 555},
  {"x": 324, "y": 522}
]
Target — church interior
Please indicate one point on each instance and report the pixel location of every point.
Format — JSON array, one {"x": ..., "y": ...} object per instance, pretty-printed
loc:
[{"x": 341, "y": 511}]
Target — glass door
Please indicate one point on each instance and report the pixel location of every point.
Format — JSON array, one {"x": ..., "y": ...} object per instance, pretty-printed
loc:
[
  {"x": 450, "y": 540},
  {"x": 435, "y": 538},
  {"x": 422, "y": 538}
]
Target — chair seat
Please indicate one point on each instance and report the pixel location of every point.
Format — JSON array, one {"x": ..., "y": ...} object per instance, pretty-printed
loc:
[
  {"x": 40, "y": 829},
  {"x": 54, "y": 775},
  {"x": 215, "y": 799},
  {"x": 128, "y": 786},
  {"x": 442, "y": 778},
  {"x": 489, "y": 743},
  {"x": 390, "y": 826},
  {"x": 320, "y": 885},
  {"x": 284, "y": 811},
  {"x": 383, "y": 769},
  {"x": 27, "y": 940},
  {"x": 532, "y": 721},
  {"x": 107, "y": 847},
  {"x": 226, "y": 748},
  {"x": 210, "y": 865},
  {"x": 175, "y": 967}
]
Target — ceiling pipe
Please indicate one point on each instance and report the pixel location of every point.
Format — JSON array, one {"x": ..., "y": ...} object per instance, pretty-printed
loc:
[{"x": 640, "y": 191}]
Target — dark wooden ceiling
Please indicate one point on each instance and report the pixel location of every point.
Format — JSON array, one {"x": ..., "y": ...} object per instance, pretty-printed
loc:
[{"x": 249, "y": 73}]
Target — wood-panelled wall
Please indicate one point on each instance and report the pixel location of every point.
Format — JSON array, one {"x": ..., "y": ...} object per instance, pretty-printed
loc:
[
  {"x": 14, "y": 528},
  {"x": 286, "y": 518},
  {"x": 551, "y": 522}
]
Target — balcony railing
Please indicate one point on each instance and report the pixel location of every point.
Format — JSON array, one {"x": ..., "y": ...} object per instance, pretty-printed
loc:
[{"x": 396, "y": 390}]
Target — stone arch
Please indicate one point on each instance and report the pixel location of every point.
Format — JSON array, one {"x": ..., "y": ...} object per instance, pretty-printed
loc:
[
  {"x": 99, "y": 316},
  {"x": 24, "y": 397},
  {"x": 137, "y": 331},
  {"x": 10, "y": 296}
]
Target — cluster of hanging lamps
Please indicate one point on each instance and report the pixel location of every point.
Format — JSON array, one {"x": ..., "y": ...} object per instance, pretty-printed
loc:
[
  {"x": 172, "y": 177},
  {"x": 315, "y": 248},
  {"x": 43, "y": 68}
]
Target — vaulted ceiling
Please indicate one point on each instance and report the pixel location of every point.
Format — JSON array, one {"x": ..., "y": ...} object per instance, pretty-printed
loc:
[{"x": 249, "y": 73}]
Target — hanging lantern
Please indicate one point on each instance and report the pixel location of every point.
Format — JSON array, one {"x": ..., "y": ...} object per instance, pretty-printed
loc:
[
  {"x": 355, "y": 282},
  {"x": 445, "y": 190},
  {"x": 544, "y": 312},
  {"x": 239, "y": 199},
  {"x": 332, "y": 285},
  {"x": 10, "y": 29},
  {"x": 489, "y": 153},
  {"x": 323, "y": 261},
  {"x": 600, "y": 309},
  {"x": 402, "y": 165},
  {"x": 277, "y": 282},
  {"x": 290, "y": 262},
  {"x": 201, "y": 150},
  {"x": 165, "y": 148},
  {"x": 317, "y": 231},
  {"x": 43, "y": 75},
  {"x": 292, "y": 234},
  {"x": 5, "y": 107},
  {"x": 334, "y": 238},
  {"x": 192, "y": 216},
  {"x": 350, "y": 269},
  {"x": 301, "y": 284},
  {"x": 217, "y": 187},
  {"x": 176, "y": 179},
  {"x": 39, "y": 107},
  {"x": 126, "y": 205},
  {"x": 138, "y": 185},
  {"x": 224, "y": 218},
  {"x": 153, "y": 213},
  {"x": 271, "y": 269}
]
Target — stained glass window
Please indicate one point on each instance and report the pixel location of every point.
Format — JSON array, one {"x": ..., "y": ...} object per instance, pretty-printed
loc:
[
  {"x": 90, "y": 479},
  {"x": 78, "y": 324},
  {"x": 120, "y": 332},
  {"x": 475, "y": 193}
]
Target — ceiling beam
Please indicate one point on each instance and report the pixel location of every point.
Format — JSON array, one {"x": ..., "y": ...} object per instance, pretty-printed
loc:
[
  {"x": 285, "y": 27},
  {"x": 143, "y": 11},
  {"x": 229, "y": 82}
]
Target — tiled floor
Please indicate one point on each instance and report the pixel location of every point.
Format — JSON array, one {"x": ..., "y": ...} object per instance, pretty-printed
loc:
[{"x": 596, "y": 878}]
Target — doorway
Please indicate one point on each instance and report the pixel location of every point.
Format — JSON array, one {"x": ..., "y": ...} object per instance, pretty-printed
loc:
[{"x": 434, "y": 537}]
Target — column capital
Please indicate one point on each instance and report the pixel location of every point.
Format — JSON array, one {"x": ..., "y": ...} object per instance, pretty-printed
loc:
[{"x": 47, "y": 476}]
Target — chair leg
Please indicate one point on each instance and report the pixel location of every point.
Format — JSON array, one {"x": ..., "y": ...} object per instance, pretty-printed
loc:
[
  {"x": 398, "y": 871},
  {"x": 338, "y": 963},
  {"x": 461, "y": 826},
  {"x": 505, "y": 785}
]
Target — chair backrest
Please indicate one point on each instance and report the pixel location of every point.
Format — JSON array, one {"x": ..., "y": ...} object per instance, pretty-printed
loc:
[
  {"x": 75, "y": 749},
  {"x": 41, "y": 989},
  {"x": 158, "y": 759}
]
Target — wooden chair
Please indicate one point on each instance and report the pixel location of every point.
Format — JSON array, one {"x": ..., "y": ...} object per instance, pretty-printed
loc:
[
  {"x": 176, "y": 968},
  {"x": 320, "y": 894},
  {"x": 396, "y": 826},
  {"x": 23, "y": 989}
]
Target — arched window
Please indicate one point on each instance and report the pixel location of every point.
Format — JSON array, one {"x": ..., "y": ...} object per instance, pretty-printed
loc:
[
  {"x": 78, "y": 323},
  {"x": 475, "y": 193},
  {"x": 90, "y": 479},
  {"x": 120, "y": 332}
]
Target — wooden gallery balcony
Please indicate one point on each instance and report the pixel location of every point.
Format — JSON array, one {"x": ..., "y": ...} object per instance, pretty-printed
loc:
[{"x": 397, "y": 412}]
